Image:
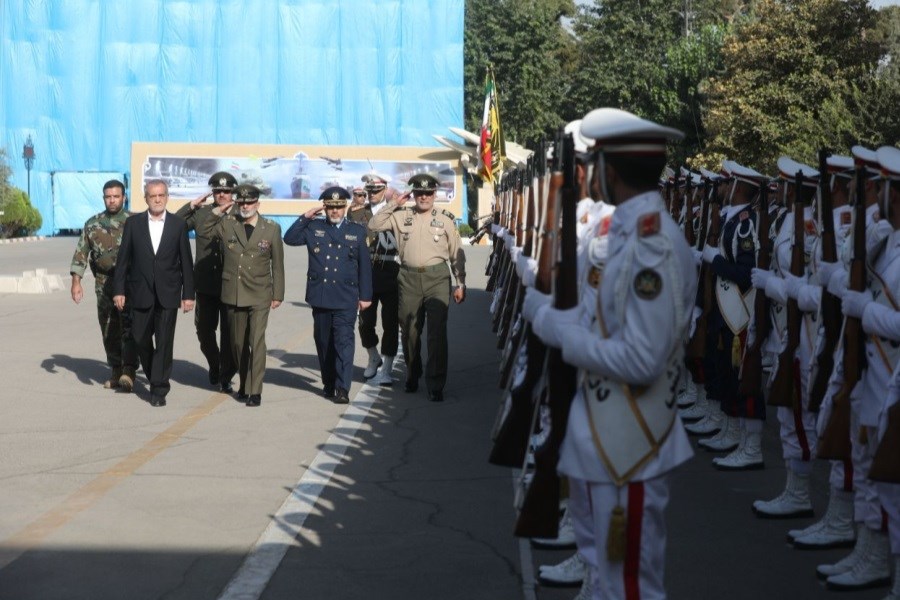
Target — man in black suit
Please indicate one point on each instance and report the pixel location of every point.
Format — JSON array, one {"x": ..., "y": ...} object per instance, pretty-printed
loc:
[{"x": 154, "y": 270}]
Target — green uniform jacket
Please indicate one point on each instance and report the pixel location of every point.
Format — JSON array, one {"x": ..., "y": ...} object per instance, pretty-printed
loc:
[
  {"x": 252, "y": 270},
  {"x": 99, "y": 244},
  {"x": 208, "y": 257}
]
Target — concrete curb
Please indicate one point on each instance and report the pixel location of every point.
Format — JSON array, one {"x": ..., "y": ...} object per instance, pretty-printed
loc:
[
  {"x": 31, "y": 238},
  {"x": 31, "y": 282}
]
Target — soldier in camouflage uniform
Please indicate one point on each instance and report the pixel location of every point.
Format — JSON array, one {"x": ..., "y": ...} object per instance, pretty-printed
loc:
[
  {"x": 210, "y": 311},
  {"x": 98, "y": 248}
]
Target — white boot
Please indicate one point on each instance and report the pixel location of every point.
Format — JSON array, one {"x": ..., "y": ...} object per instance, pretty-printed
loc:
[
  {"x": 727, "y": 439},
  {"x": 587, "y": 586},
  {"x": 793, "y": 502},
  {"x": 846, "y": 564},
  {"x": 569, "y": 572},
  {"x": 895, "y": 589},
  {"x": 835, "y": 530},
  {"x": 374, "y": 363},
  {"x": 699, "y": 409},
  {"x": 384, "y": 376},
  {"x": 746, "y": 457},
  {"x": 710, "y": 424},
  {"x": 688, "y": 396},
  {"x": 564, "y": 539},
  {"x": 873, "y": 569}
]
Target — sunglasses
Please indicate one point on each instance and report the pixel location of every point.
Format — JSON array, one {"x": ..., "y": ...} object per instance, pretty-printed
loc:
[{"x": 360, "y": 194}]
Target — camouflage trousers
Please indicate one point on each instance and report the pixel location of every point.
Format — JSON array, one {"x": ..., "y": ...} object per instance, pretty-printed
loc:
[{"x": 115, "y": 327}]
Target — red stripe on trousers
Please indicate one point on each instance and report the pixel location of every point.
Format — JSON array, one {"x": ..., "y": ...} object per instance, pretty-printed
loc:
[
  {"x": 798, "y": 411},
  {"x": 632, "y": 568}
]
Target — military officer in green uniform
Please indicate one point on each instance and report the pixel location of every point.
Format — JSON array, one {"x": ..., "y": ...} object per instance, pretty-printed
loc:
[
  {"x": 209, "y": 311},
  {"x": 98, "y": 248},
  {"x": 427, "y": 240},
  {"x": 252, "y": 282}
]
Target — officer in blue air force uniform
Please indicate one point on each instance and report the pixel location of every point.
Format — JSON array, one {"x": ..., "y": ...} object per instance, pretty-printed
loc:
[{"x": 338, "y": 284}]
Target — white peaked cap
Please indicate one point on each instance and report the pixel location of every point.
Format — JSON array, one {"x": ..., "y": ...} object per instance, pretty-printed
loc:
[
  {"x": 582, "y": 144},
  {"x": 889, "y": 159},
  {"x": 619, "y": 131},
  {"x": 788, "y": 168},
  {"x": 840, "y": 165},
  {"x": 742, "y": 173},
  {"x": 862, "y": 156}
]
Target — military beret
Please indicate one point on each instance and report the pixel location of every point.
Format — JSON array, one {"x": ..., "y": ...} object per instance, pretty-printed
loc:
[
  {"x": 335, "y": 196},
  {"x": 222, "y": 181},
  {"x": 246, "y": 193},
  {"x": 423, "y": 183}
]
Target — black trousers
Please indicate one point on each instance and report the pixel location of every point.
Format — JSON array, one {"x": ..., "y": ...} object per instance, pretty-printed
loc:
[
  {"x": 385, "y": 293},
  {"x": 209, "y": 314},
  {"x": 154, "y": 335}
]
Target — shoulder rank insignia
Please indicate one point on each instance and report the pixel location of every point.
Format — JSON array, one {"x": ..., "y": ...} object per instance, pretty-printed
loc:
[
  {"x": 648, "y": 224},
  {"x": 744, "y": 215},
  {"x": 647, "y": 284},
  {"x": 846, "y": 218},
  {"x": 810, "y": 227},
  {"x": 448, "y": 214}
]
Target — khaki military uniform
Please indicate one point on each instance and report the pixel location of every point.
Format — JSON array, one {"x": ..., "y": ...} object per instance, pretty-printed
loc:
[
  {"x": 427, "y": 242},
  {"x": 252, "y": 277},
  {"x": 97, "y": 249},
  {"x": 209, "y": 311}
]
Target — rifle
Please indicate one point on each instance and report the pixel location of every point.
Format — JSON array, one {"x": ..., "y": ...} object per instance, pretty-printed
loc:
[
  {"x": 830, "y": 304},
  {"x": 506, "y": 268},
  {"x": 499, "y": 217},
  {"x": 751, "y": 384},
  {"x": 689, "y": 214},
  {"x": 785, "y": 390},
  {"x": 539, "y": 509},
  {"x": 696, "y": 348},
  {"x": 514, "y": 288},
  {"x": 516, "y": 419},
  {"x": 475, "y": 238},
  {"x": 834, "y": 443}
]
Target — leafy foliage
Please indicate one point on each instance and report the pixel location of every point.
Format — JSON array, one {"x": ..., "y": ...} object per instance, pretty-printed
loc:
[{"x": 19, "y": 216}]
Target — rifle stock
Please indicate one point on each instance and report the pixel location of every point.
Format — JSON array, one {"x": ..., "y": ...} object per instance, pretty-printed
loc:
[
  {"x": 830, "y": 304},
  {"x": 539, "y": 512},
  {"x": 834, "y": 444},
  {"x": 696, "y": 348},
  {"x": 785, "y": 387}
]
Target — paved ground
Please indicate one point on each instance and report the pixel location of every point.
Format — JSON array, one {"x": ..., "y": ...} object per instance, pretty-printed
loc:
[{"x": 104, "y": 497}]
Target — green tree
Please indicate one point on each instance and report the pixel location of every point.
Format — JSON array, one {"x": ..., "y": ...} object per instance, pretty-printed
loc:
[
  {"x": 528, "y": 48},
  {"x": 18, "y": 216}
]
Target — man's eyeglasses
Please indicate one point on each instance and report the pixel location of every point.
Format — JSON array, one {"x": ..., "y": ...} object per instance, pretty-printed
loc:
[{"x": 359, "y": 194}]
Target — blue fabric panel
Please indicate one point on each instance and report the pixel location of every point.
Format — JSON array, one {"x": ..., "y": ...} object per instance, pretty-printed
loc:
[{"x": 86, "y": 78}]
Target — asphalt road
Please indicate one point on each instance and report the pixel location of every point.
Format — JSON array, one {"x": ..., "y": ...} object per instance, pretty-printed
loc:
[{"x": 104, "y": 497}]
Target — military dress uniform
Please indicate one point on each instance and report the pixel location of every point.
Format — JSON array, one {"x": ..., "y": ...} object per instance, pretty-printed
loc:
[
  {"x": 209, "y": 311},
  {"x": 97, "y": 249},
  {"x": 252, "y": 278},
  {"x": 628, "y": 342},
  {"x": 338, "y": 278},
  {"x": 427, "y": 241}
]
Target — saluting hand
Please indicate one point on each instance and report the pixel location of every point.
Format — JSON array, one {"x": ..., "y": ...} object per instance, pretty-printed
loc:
[
  {"x": 196, "y": 203},
  {"x": 402, "y": 198},
  {"x": 313, "y": 212}
]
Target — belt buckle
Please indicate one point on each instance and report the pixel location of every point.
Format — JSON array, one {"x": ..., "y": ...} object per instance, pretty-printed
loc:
[{"x": 421, "y": 269}]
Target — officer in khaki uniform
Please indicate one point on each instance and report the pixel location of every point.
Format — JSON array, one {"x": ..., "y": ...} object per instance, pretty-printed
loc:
[
  {"x": 252, "y": 282},
  {"x": 427, "y": 239},
  {"x": 209, "y": 311},
  {"x": 98, "y": 248}
]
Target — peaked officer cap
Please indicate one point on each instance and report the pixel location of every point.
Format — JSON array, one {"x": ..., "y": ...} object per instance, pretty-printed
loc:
[
  {"x": 582, "y": 144},
  {"x": 742, "y": 173},
  {"x": 863, "y": 157},
  {"x": 335, "y": 196},
  {"x": 788, "y": 168},
  {"x": 889, "y": 159},
  {"x": 423, "y": 182},
  {"x": 621, "y": 132},
  {"x": 246, "y": 193},
  {"x": 222, "y": 181},
  {"x": 840, "y": 165},
  {"x": 711, "y": 175},
  {"x": 375, "y": 181}
]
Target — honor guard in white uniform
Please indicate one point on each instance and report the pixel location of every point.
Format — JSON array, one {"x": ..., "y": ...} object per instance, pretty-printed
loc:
[
  {"x": 798, "y": 427},
  {"x": 627, "y": 345}
]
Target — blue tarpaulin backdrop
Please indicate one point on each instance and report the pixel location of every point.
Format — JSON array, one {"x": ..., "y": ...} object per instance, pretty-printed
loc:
[{"x": 85, "y": 78}]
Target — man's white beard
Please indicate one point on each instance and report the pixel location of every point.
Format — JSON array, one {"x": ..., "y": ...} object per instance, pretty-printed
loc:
[
  {"x": 335, "y": 220},
  {"x": 248, "y": 213}
]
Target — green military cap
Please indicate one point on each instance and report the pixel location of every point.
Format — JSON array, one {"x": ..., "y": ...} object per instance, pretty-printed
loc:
[
  {"x": 222, "y": 181},
  {"x": 423, "y": 183},
  {"x": 335, "y": 196},
  {"x": 246, "y": 194}
]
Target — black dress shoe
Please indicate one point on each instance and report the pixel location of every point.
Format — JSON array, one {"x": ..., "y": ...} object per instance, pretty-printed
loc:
[
  {"x": 342, "y": 397},
  {"x": 411, "y": 386},
  {"x": 227, "y": 388},
  {"x": 241, "y": 396},
  {"x": 328, "y": 392},
  {"x": 254, "y": 400},
  {"x": 157, "y": 401},
  {"x": 213, "y": 376},
  {"x": 437, "y": 396}
]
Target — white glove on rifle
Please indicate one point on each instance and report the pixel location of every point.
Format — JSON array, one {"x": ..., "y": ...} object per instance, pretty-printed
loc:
[
  {"x": 710, "y": 253},
  {"x": 838, "y": 282},
  {"x": 698, "y": 256},
  {"x": 760, "y": 277},
  {"x": 776, "y": 290},
  {"x": 534, "y": 300},
  {"x": 792, "y": 285},
  {"x": 825, "y": 271},
  {"x": 853, "y": 304}
]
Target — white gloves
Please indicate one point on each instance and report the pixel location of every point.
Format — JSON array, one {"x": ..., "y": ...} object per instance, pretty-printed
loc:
[
  {"x": 534, "y": 300},
  {"x": 792, "y": 285},
  {"x": 495, "y": 229},
  {"x": 759, "y": 278},
  {"x": 514, "y": 252},
  {"x": 825, "y": 271},
  {"x": 838, "y": 282},
  {"x": 698, "y": 256},
  {"x": 525, "y": 267},
  {"x": 854, "y": 303},
  {"x": 776, "y": 290},
  {"x": 710, "y": 253}
]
